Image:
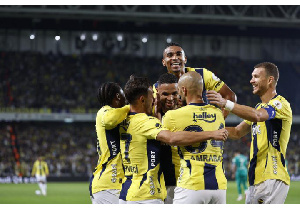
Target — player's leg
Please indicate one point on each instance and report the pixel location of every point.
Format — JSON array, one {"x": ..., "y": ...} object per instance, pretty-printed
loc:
[
  {"x": 186, "y": 196},
  {"x": 110, "y": 196},
  {"x": 270, "y": 191},
  {"x": 239, "y": 189},
  {"x": 218, "y": 196},
  {"x": 278, "y": 190},
  {"x": 154, "y": 201},
  {"x": 244, "y": 183},
  {"x": 39, "y": 182}
]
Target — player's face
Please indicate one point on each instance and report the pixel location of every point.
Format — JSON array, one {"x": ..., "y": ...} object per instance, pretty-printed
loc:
[
  {"x": 259, "y": 81},
  {"x": 174, "y": 59},
  {"x": 149, "y": 101},
  {"x": 168, "y": 96}
]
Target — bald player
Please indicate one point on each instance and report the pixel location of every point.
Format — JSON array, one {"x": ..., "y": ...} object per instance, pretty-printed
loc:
[{"x": 202, "y": 179}]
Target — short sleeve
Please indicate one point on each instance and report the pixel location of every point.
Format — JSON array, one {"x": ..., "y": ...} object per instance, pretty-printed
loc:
[
  {"x": 151, "y": 128},
  {"x": 212, "y": 82},
  {"x": 248, "y": 122},
  {"x": 167, "y": 121}
]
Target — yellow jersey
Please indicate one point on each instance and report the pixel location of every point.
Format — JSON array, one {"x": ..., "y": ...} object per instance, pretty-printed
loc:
[
  {"x": 109, "y": 171},
  {"x": 269, "y": 142},
  {"x": 40, "y": 168},
  {"x": 141, "y": 158},
  {"x": 170, "y": 160},
  {"x": 202, "y": 163}
]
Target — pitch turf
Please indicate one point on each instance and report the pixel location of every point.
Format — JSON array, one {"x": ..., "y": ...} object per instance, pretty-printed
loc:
[{"x": 77, "y": 193}]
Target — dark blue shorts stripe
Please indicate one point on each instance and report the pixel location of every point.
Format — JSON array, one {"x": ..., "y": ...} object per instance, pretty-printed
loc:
[{"x": 210, "y": 180}]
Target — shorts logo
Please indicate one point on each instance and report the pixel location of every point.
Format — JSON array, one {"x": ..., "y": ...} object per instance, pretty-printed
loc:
[{"x": 260, "y": 201}]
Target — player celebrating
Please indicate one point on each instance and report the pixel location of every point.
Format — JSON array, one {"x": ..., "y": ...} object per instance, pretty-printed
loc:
[
  {"x": 40, "y": 171},
  {"x": 106, "y": 182},
  {"x": 167, "y": 100},
  {"x": 140, "y": 145},
  {"x": 174, "y": 60},
  {"x": 202, "y": 179},
  {"x": 270, "y": 125},
  {"x": 239, "y": 172}
]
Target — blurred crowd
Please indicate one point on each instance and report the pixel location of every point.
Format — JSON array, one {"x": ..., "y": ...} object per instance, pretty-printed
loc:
[
  {"x": 70, "y": 149},
  {"x": 62, "y": 82}
]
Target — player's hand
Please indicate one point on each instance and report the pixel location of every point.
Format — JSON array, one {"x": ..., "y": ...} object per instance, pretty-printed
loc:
[
  {"x": 215, "y": 98},
  {"x": 220, "y": 135}
]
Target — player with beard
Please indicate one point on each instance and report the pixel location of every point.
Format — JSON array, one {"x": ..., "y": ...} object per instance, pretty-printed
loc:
[
  {"x": 270, "y": 126},
  {"x": 141, "y": 136}
]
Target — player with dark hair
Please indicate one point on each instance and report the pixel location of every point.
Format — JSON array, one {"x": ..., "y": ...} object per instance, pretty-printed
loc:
[
  {"x": 202, "y": 179},
  {"x": 174, "y": 59},
  {"x": 270, "y": 125},
  {"x": 141, "y": 136},
  {"x": 106, "y": 182}
]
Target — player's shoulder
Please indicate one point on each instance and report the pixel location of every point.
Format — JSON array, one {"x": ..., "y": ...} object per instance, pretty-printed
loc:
[{"x": 279, "y": 102}]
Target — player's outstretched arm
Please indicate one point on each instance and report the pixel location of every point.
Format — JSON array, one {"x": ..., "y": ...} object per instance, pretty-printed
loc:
[
  {"x": 114, "y": 116},
  {"x": 183, "y": 138},
  {"x": 243, "y": 111},
  {"x": 239, "y": 131}
]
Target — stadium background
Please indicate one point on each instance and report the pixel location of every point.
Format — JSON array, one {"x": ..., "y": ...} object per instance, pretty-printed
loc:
[{"x": 53, "y": 58}]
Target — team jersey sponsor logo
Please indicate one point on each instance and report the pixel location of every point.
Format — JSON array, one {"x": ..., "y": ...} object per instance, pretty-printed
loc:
[
  {"x": 114, "y": 148},
  {"x": 209, "y": 118},
  {"x": 207, "y": 158},
  {"x": 256, "y": 130},
  {"x": 278, "y": 104},
  {"x": 113, "y": 173},
  {"x": 131, "y": 169},
  {"x": 215, "y": 77},
  {"x": 152, "y": 157},
  {"x": 275, "y": 139},
  {"x": 274, "y": 161},
  {"x": 152, "y": 186}
]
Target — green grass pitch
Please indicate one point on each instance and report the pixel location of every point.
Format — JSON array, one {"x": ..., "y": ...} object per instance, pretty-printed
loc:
[{"x": 77, "y": 193}]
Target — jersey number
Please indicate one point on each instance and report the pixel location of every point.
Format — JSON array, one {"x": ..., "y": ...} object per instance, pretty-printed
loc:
[{"x": 202, "y": 145}]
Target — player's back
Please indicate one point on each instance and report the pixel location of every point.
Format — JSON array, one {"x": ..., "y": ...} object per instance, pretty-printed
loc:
[
  {"x": 241, "y": 163},
  {"x": 140, "y": 155},
  {"x": 109, "y": 172},
  {"x": 201, "y": 163}
]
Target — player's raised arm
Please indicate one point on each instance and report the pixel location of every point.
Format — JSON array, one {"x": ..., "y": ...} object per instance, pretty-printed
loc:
[
  {"x": 188, "y": 138},
  {"x": 243, "y": 111},
  {"x": 228, "y": 94}
]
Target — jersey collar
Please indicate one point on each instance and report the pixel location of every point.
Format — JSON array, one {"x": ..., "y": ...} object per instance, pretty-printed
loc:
[{"x": 198, "y": 104}]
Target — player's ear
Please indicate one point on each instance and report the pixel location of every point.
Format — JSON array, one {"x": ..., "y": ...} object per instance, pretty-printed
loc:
[
  {"x": 185, "y": 59},
  {"x": 118, "y": 96},
  {"x": 163, "y": 62},
  {"x": 271, "y": 80}
]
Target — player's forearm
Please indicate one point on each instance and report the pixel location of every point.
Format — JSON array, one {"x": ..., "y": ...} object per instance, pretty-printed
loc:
[
  {"x": 110, "y": 120},
  {"x": 233, "y": 133},
  {"x": 247, "y": 113}
]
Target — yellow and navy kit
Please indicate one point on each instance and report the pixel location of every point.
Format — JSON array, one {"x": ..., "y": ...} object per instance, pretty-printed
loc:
[
  {"x": 141, "y": 158},
  {"x": 170, "y": 167},
  {"x": 201, "y": 163},
  {"x": 269, "y": 142},
  {"x": 210, "y": 81},
  {"x": 40, "y": 168},
  {"x": 109, "y": 171}
]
